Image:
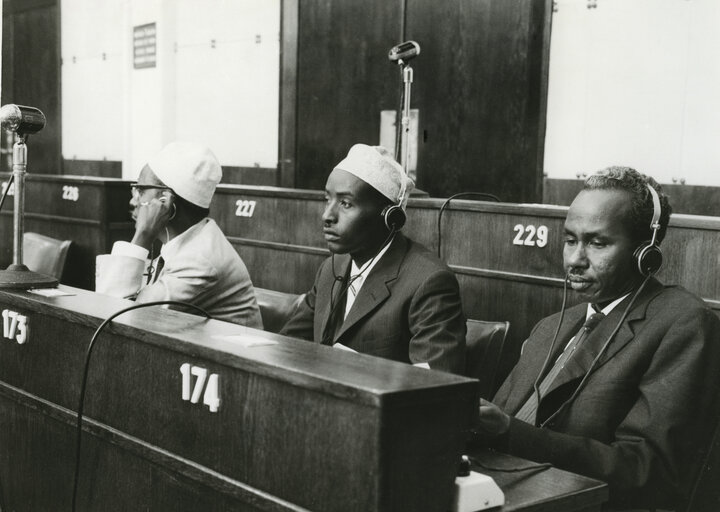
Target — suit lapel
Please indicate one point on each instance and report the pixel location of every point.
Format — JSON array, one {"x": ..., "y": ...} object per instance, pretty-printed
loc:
[
  {"x": 535, "y": 353},
  {"x": 579, "y": 364},
  {"x": 375, "y": 288}
]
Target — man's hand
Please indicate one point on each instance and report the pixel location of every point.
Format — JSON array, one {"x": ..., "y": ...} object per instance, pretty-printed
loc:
[
  {"x": 492, "y": 419},
  {"x": 152, "y": 217}
]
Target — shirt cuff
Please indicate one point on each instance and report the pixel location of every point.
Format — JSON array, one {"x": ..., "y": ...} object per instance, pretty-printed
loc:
[{"x": 121, "y": 248}]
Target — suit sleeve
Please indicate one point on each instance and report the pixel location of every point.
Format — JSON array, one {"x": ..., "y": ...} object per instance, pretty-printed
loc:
[
  {"x": 437, "y": 324},
  {"x": 653, "y": 448},
  {"x": 301, "y": 323}
]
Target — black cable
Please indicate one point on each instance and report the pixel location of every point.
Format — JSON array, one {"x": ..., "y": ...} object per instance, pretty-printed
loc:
[
  {"x": 542, "y": 466},
  {"x": 536, "y": 384},
  {"x": 86, "y": 370},
  {"x": 599, "y": 354},
  {"x": 2, "y": 200},
  {"x": 447, "y": 202}
]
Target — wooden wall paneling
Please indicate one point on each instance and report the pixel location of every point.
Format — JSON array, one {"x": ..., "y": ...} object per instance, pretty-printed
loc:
[
  {"x": 97, "y": 168},
  {"x": 350, "y": 416},
  {"x": 284, "y": 268},
  {"x": 287, "y": 138},
  {"x": 34, "y": 74},
  {"x": 688, "y": 199},
  {"x": 480, "y": 85},
  {"x": 344, "y": 80}
]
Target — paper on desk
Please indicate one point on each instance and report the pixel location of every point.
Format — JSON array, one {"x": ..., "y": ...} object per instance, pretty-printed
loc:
[
  {"x": 50, "y": 292},
  {"x": 343, "y": 347},
  {"x": 245, "y": 340}
]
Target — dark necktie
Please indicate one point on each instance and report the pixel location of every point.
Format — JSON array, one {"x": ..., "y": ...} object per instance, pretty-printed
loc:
[
  {"x": 337, "y": 315},
  {"x": 153, "y": 273},
  {"x": 528, "y": 412}
]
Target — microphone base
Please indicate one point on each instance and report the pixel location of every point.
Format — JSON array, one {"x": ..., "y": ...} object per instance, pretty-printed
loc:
[{"x": 19, "y": 277}]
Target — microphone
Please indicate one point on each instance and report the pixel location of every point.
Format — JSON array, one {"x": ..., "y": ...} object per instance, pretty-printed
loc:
[
  {"x": 21, "y": 119},
  {"x": 404, "y": 51}
]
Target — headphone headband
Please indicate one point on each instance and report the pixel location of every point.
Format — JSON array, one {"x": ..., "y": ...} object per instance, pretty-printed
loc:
[
  {"x": 648, "y": 255},
  {"x": 655, "y": 222}
]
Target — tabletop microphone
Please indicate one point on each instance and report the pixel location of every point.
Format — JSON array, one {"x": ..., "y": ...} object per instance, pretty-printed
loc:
[
  {"x": 21, "y": 119},
  {"x": 404, "y": 51}
]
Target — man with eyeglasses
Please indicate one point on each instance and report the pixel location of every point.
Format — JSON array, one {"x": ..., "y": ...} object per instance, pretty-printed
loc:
[{"x": 196, "y": 263}]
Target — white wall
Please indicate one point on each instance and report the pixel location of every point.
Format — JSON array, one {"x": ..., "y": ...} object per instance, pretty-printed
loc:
[
  {"x": 225, "y": 97},
  {"x": 635, "y": 82}
]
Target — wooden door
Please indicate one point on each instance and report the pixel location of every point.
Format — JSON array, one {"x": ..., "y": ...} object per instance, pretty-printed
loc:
[{"x": 31, "y": 76}]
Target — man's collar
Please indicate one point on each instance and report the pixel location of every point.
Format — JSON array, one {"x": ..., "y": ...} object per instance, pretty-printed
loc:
[
  {"x": 368, "y": 266},
  {"x": 591, "y": 308}
]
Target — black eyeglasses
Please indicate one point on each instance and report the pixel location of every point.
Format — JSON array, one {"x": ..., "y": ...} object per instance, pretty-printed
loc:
[{"x": 137, "y": 189}]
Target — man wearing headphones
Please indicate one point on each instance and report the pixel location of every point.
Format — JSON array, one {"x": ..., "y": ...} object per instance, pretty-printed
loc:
[
  {"x": 627, "y": 394},
  {"x": 384, "y": 294},
  {"x": 196, "y": 263}
]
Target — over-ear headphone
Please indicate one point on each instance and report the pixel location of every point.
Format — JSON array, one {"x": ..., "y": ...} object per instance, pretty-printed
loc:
[
  {"x": 648, "y": 255},
  {"x": 394, "y": 214}
]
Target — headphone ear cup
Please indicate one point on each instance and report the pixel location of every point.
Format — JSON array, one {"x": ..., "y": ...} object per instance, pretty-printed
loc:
[
  {"x": 648, "y": 258},
  {"x": 394, "y": 217}
]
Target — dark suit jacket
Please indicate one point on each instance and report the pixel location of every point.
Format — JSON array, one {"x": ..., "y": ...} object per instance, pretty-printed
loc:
[
  {"x": 408, "y": 309},
  {"x": 645, "y": 412}
]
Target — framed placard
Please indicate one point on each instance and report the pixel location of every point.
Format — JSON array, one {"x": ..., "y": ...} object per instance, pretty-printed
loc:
[{"x": 145, "y": 46}]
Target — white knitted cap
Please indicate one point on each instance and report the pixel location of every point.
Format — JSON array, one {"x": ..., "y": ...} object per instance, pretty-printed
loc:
[
  {"x": 376, "y": 166},
  {"x": 190, "y": 169}
]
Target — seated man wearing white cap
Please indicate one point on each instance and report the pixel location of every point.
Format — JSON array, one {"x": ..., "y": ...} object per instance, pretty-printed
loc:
[
  {"x": 196, "y": 263},
  {"x": 386, "y": 295}
]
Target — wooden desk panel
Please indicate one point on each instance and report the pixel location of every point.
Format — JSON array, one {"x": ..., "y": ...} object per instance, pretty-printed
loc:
[
  {"x": 300, "y": 426},
  {"x": 92, "y": 212}
]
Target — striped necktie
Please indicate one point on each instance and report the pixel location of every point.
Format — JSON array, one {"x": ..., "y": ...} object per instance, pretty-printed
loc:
[{"x": 528, "y": 412}]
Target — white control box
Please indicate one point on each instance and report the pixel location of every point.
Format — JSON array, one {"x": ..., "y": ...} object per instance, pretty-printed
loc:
[{"x": 476, "y": 492}]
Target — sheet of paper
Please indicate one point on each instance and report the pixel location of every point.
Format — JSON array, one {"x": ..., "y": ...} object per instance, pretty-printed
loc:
[
  {"x": 50, "y": 292},
  {"x": 245, "y": 340},
  {"x": 343, "y": 347}
]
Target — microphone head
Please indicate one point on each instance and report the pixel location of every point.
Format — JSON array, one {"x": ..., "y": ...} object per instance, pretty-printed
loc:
[
  {"x": 404, "y": 51},
  {"x": 21, "y": 119}
]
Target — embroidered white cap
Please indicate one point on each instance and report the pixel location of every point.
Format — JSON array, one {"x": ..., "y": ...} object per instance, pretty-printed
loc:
[
  {"x": 190, "y": 169},
  {"x": 376, "y": 166}
]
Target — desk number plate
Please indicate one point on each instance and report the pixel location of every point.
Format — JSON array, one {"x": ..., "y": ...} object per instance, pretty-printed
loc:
[
  {"x": 15, "y": 326},
  {"x": 530, "y": 235},
  {"x": 191, "y": 393},
  {"x": 70, "y": 193},
  {"x": 244, "y": 208}
]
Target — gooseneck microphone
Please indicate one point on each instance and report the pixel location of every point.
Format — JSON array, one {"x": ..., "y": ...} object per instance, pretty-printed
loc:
[
  {"x": 21, "y": 119},
  {"x": 404, "y": 51}
]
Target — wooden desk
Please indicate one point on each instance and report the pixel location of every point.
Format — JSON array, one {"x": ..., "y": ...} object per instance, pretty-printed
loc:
[
  {"x": 299, "y": 426},
  {"x": 92, "y": 212},
  {"x": 550, "y": 490}
]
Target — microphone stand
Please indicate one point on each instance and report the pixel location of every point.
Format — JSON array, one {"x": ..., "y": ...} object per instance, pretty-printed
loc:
[
  {"x": 407, "y": 74},
  {"x": 18, "y": 276}
]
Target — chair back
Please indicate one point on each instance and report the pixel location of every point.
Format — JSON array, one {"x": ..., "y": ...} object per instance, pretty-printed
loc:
[
  {"x": 276, "y": 308},
  {"x": 485, "y": 341},
  {"x": 705, "y": 492},
  {"x": 45, "y": 254}
]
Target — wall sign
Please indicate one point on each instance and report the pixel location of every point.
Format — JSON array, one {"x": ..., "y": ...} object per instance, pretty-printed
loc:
[{"x": 145, "y": 46}]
